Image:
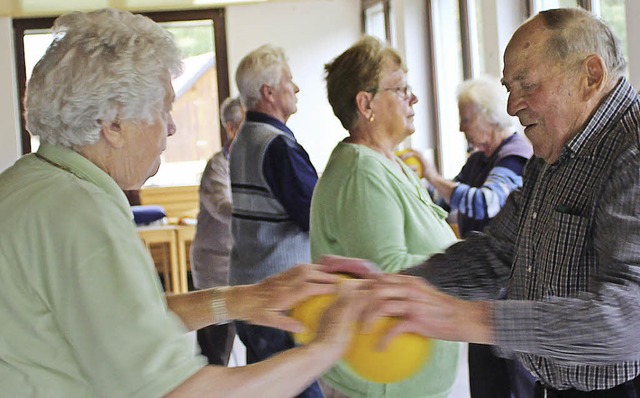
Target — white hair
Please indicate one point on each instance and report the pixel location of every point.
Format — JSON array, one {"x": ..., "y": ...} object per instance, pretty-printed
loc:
[
  {"x": 261, "y": 66},
  {"x": 231, "y": 111},
  {"x": 102, "y": 66},
  {"x": 490, "y": 98}
]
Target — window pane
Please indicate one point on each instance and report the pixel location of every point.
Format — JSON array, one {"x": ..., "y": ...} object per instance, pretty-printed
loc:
[
  {"x": 374, "y": 21},
  {"x": 476, "y": 38},
  {"x": 448, "y": 59},
  {"x": 613, "y": 12},
  {"x": 35, "y": 45},
  {"x": 541, "y": 5},
  {"x": 195, "y": 110}
]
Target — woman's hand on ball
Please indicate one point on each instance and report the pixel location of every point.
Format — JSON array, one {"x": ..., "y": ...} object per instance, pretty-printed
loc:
[
  {"x": 337, "y": 325},
  {"x": 266, "y": 303}
]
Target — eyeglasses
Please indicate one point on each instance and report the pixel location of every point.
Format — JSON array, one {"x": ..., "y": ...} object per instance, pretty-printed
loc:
[{"x": 404, "y": 92}]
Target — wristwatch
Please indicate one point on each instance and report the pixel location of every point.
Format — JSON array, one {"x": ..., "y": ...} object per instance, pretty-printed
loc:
[{"x": 219, "y": 307}]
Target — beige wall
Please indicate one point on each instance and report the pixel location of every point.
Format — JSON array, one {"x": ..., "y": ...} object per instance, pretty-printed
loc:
[{"x": 312, "y": 33}]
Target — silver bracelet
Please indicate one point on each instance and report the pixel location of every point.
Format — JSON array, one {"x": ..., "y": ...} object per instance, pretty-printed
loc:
[{"x": 219, "y": 307}]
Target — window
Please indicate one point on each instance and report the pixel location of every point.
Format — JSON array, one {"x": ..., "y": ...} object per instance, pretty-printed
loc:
[
  {"x": 541, "y": 5},
  {"x": 448, "y": 59},
  {"x": 35, "y": 44},
  {"x": 477, "y": 48},
  {"x": 195, "y": 110},
  {"x": 611, "y": 11},
  {"x": 201, "y": 37},
  {"x": 376, "y": 16},
  {"x": 374, "y": 21}
]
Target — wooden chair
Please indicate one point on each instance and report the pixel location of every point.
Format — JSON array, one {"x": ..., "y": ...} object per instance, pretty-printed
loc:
[
  {"x": 184, "y": 237},
  {"x": 162, "y": 244}
]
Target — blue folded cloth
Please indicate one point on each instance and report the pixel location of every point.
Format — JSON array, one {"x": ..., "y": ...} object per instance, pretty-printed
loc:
[{"x": 145, "y": 215}]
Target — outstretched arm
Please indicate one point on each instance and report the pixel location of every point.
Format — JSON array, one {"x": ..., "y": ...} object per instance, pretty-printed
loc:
[
  {"x": 264, "y": 303},
  {"x": 289, "y": 372},
  {"x": 426, "y": 311}
]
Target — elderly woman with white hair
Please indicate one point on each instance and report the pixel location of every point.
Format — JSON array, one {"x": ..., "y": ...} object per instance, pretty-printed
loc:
[
  {"x": 494, "y": 167},
  {"x": 81, "y": 307},
  {"x": 492, "y": 171}
]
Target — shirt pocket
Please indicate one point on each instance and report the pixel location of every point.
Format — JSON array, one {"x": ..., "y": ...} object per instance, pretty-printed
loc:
[{"x": 563, "y": 254}]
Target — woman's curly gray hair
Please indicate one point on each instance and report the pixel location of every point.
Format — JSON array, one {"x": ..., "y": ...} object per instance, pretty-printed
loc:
[
  {"x": 102, "y": 66},
  {"x": 489, "y": 97}
]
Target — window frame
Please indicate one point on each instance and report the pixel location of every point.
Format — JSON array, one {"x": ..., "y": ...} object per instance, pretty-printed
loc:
[
  {"x": 386, "y": 6},
  {"x": 466, "y": 61},
  {"x": 216, "y": 15},
  {"x": 586, "y": 4}
]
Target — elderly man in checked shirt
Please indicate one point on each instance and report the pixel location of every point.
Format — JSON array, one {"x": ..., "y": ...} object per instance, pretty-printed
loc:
[{"x": 567, "y": 246}]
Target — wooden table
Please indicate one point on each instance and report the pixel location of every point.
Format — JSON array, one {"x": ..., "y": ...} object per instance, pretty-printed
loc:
[
  {"x": 166, "y": 236},
  {"x": 184, "y": 236},
  {"x": 176, "y": 238}
]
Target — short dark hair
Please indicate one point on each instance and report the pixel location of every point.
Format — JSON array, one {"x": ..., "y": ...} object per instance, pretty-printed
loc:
[{"x": 357, "y": 69}]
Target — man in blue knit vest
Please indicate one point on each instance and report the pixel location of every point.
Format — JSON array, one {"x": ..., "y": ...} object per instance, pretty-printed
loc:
[{"x": 272, "y": 180}]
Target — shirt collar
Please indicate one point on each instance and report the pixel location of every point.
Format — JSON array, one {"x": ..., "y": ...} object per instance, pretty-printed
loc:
[
  {"x": 76, "y": 164},
  {"x": 259, "y": 117},
  {"x": 609, "y": 111}
]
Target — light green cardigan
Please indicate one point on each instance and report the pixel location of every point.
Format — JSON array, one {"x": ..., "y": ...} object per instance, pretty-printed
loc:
[{"x": 365, "y": 207}]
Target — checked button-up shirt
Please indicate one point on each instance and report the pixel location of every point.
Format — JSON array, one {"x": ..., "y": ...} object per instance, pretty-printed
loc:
[{"x": 567, "y": 247}]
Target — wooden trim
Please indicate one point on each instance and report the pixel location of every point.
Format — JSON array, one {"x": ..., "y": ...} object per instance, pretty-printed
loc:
[
  {"x": 386, "y": 9},
  {"x": 363, "y": 18},
  {"x": 222, "y": 64},
  {"x": 586, "y": 4},
  {"x": 20, "y": 26},
  {"x": 435, "y": 126},
  {"x": 21, "y": 71},
  {"x": 465, "y": 39},
  {"x": 387, "y": 20},
  {"x": 530, "y": 7},
  {"x": 217, "y": 15}
]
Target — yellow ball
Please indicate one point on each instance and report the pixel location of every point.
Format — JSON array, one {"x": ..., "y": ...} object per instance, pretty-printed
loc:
[
  {"x": 404, "y": 356},
  {"x": 412, "y": 162}
]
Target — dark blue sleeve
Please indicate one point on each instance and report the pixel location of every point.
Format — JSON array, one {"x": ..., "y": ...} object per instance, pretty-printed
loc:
[
  {"x": 514, "y": 163},
  {"x": 291, "y": 177}
]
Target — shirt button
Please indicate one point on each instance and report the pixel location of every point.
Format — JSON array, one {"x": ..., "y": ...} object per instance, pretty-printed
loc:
[
  {"x": 534, "y": 215},
  {"x": 529, "y": 269}
]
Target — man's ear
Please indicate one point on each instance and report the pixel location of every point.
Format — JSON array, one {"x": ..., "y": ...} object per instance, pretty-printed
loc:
[
  {"x": 595, "y": 75},
  {"x": 363, "y": 103},
  {"x": 113, "y": 133},
  {"x": 266, "y": 92}
]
